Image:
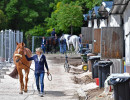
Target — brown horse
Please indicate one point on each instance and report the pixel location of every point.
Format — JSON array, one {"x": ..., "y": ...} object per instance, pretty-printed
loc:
[
  {"x": 21, "y": 63},
  {"x": 51, "y": 44}
]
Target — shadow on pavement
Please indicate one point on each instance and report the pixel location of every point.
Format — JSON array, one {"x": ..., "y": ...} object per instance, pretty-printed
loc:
[{"x": 55, "y": 93}]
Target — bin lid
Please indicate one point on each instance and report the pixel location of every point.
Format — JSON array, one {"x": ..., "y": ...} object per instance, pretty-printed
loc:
[
  {"x": 90, "y": 54},
  {"x": 94, "y": 57},
  {"x": 95, "y": 64},
  {"x": 88, "y": 51},
  {"x": 117, "y": 80},
  {"x": 105, "y": 63}
]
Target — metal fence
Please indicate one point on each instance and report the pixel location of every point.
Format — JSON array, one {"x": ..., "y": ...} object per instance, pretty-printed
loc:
[
  {"x": 36, "y": 42},
  {"x": 8, "y": 39}
]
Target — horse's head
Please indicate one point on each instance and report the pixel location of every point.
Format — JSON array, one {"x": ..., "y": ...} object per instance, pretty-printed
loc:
[{"x": 19, "y": 52}]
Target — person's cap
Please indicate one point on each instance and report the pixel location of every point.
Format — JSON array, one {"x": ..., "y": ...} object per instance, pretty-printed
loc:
[
  {"x": 53, "y": 28},
  {"x": 39, "y": 50}
]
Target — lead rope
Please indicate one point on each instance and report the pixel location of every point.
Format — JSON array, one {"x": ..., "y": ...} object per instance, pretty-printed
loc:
[
  {"x": 33, "y": 84},
  {"x": 50, "y": 79}
]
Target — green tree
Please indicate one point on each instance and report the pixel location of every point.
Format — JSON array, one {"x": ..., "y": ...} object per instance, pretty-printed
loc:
[
  {"x": 69, "y": 15},
  {"x": 3, "y": 20},
  {"x": 65, "y": 16},
  {"x": 25, "y": 14},
  {"x": 52, "y": 21}
]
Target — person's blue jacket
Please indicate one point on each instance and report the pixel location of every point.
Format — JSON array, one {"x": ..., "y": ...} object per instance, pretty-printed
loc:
[
  {"x": 62, "y": 42},
  {"x": 44, "y": 43},
  {"x": 39, "y": 65}
]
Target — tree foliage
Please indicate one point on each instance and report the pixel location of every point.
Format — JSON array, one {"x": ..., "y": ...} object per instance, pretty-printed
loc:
[
  {"x": 69, "y": 15},
  {"x": 66, "y": 16},
  {"x": 31, "y": 16},
  {"x": 3, "y": 20},
  {"x": 25, "y": 14}
]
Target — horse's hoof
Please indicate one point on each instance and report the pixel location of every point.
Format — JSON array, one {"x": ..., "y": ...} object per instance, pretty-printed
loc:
[
  {"x": 20, "y": 92},
  {"x": 25, "y": 90}
]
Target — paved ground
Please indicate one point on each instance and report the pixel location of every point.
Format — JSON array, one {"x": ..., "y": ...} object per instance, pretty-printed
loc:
[{"x": 60, "y": 88}]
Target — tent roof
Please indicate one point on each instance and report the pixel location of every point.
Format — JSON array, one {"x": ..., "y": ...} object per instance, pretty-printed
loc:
[
  {"x": 85, "y": 17},
  {"x": 105, "y": 8},
  {"x": 107, "y": 5},
  {"x": 95, "y": 11}
]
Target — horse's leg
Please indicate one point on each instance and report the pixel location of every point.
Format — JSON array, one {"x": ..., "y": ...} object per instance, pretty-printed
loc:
[
  {"x": 51, "y": 48},
  {"x": 55, "y": 48},
  {"x": 26, "y": 79},
  {"x": 74, "y": 45},
  {"x": 47, "y": 49},
  {"x": 68, "y": 45},
  {"x": 21, "y": 80},
  {"x": 77, "y": 45}
]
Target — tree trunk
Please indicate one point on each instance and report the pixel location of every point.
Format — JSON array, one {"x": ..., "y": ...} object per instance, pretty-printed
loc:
[{"x": 71, "y": 30}]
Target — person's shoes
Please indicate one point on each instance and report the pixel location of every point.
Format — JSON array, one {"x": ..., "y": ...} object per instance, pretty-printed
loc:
[{"x": 41, "y": 94}]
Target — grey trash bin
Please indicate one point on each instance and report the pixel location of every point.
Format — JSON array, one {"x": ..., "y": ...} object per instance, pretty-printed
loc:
[
  {"x": 94, "y": 66},
  {"x": 103, "y": 71},
  {"x": 121, "y": 86}
]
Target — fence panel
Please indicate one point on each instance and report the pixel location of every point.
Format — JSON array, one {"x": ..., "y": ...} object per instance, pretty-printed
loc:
[
  {"x": 112, "y": 42},
  {"x": 36, "y": 42},
  {"x": 86, "y": 35},
  {"x": 96, "y": 40},
  {"x": 8, "y": 39}
]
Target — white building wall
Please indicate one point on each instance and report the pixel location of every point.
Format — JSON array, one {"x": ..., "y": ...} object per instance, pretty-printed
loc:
[
  {"x": 95, "y": 23},
  {"x": 89, "y": 23},
  {"x": 126, "y": 16},
  {"x": 103, "y": 23},
  {"x": 114, "y": 21}
]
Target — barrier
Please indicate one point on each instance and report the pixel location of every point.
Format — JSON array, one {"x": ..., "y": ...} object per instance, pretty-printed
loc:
[{"x": 8, "y": 39}]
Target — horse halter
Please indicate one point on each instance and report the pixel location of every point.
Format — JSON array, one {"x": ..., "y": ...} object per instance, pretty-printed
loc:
[{"x": 19, "y": 54}]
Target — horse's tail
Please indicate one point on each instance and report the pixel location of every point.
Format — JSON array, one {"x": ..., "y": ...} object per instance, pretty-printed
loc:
[
  {"x": 77, "y": 44},
  {"x": 14, "y": 73}
]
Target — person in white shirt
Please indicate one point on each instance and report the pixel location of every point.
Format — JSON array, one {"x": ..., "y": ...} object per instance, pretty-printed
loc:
[{"x": 43, "y": 45}]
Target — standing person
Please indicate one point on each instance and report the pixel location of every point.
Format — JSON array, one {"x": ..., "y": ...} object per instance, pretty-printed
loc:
[
  {"x": 62, "y": 43},
  {"x": 80, "y": 42},
  {"x": 43, "y": 45},
  {"x": 40, "y": 61},
  {"x": 53, "y": 33},
  {"x": 80, "y": 37}
]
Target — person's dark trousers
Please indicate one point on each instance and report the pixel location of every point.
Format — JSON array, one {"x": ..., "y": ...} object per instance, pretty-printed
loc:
[
  {"x": 43, "y": 48},
  {"x": 41, "y": 76}
]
